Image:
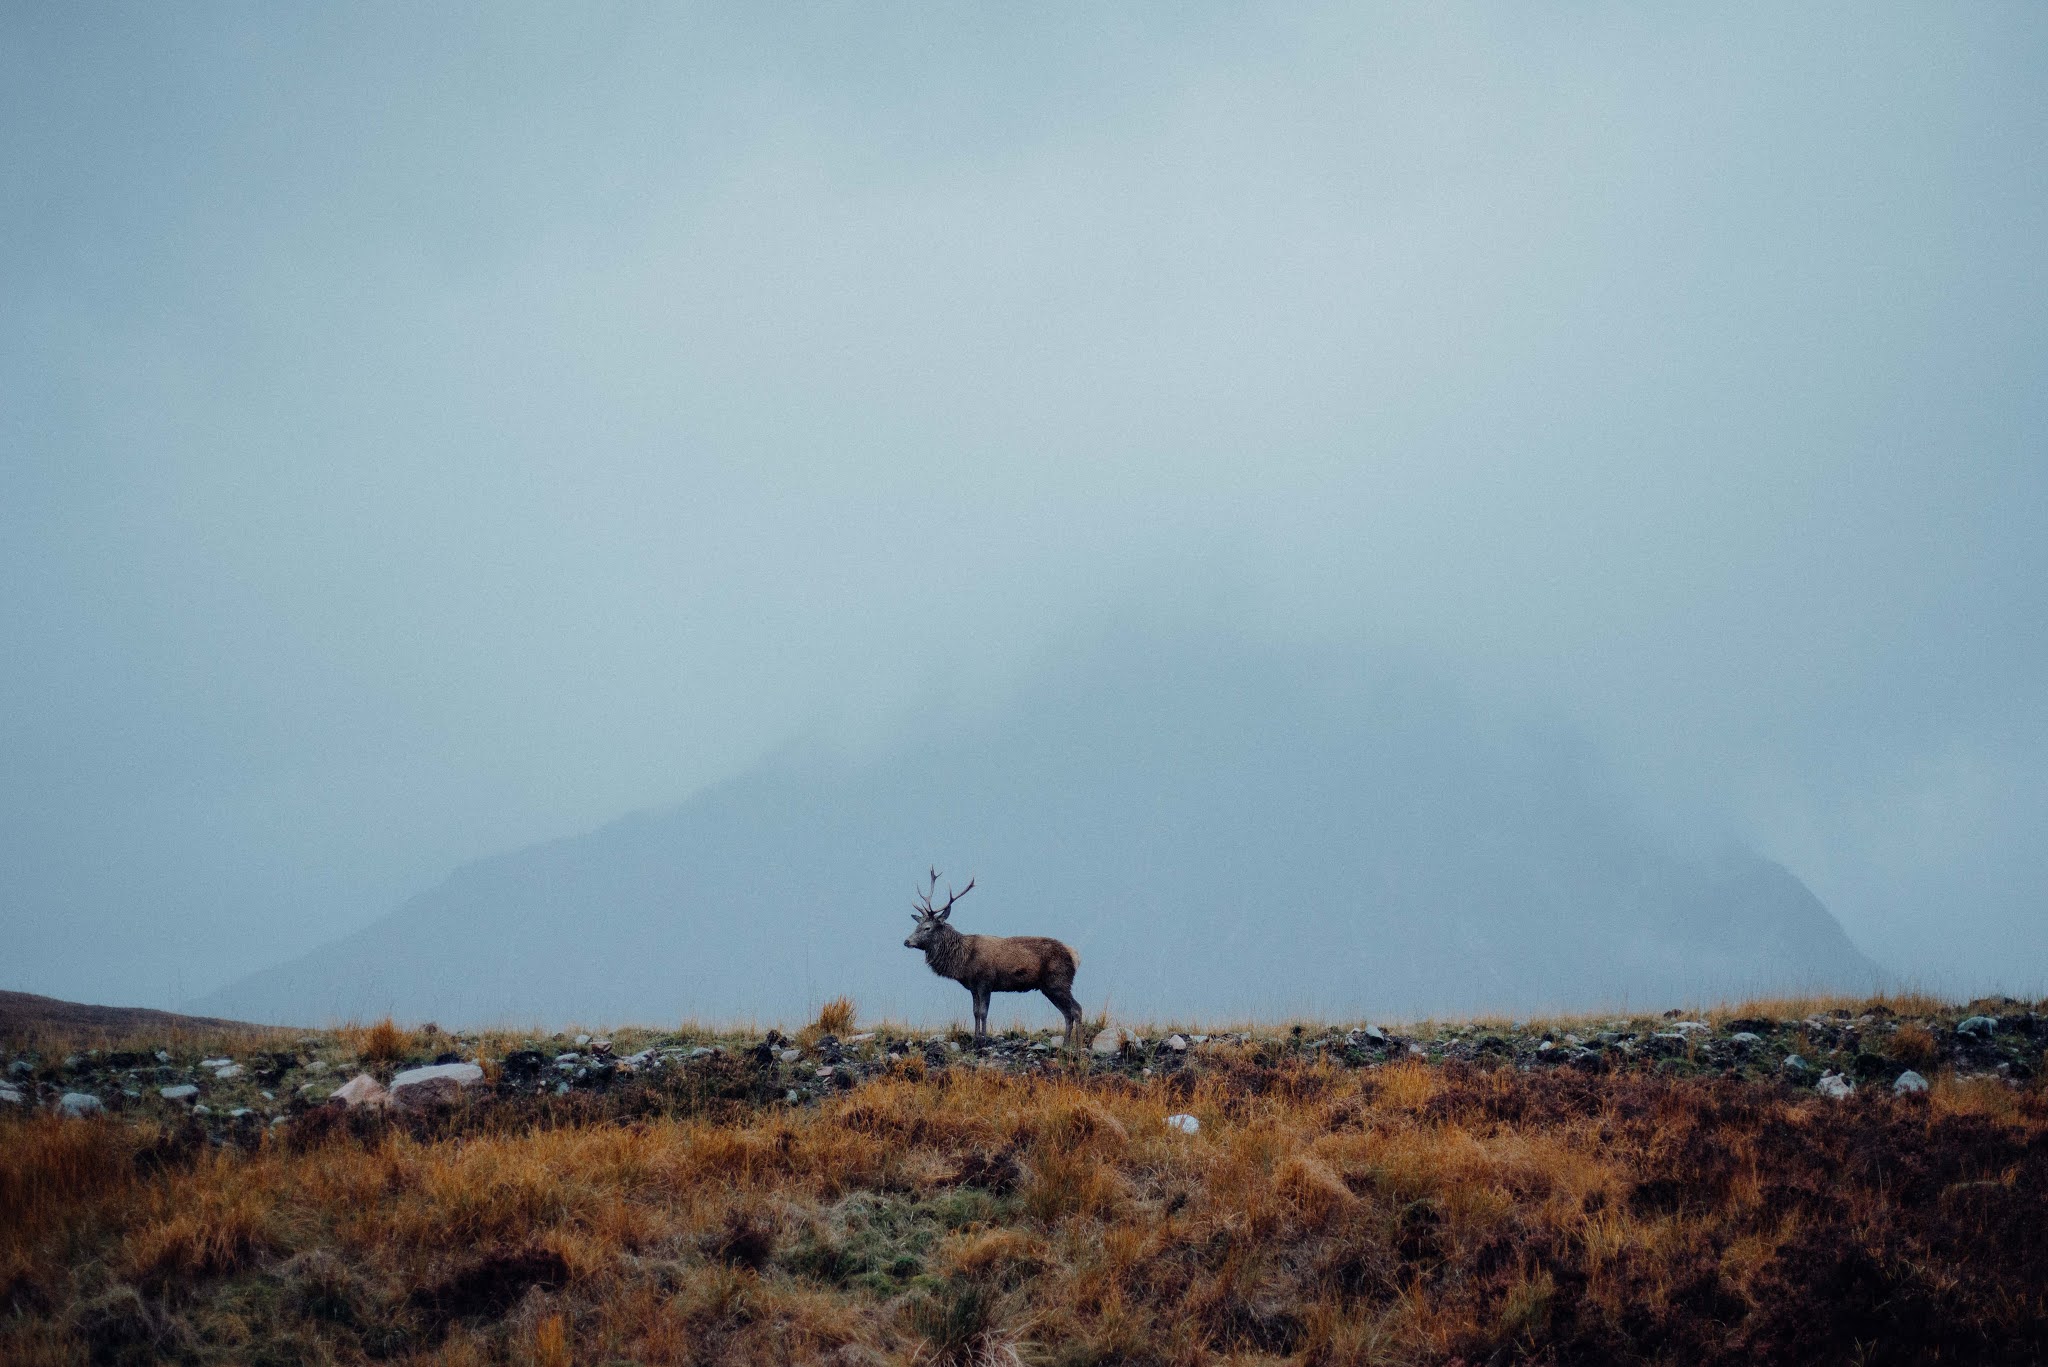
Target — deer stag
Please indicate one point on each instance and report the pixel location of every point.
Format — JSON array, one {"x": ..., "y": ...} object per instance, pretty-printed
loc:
[{"x": 994, "y": 963}]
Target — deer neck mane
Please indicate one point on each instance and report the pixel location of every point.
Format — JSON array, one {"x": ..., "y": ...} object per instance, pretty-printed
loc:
[{"x": 946, "y": 955}]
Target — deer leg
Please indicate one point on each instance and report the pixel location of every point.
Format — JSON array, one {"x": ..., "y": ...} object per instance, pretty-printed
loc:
[
  {"x": 981, "y": 995},
  {"x": 1063, "y": 998}
]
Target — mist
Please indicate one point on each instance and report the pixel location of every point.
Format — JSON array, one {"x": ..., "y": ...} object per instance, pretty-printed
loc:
[{"x": 422, "y": 436}]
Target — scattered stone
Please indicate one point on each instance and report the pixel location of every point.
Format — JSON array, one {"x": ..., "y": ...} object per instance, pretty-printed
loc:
[
  {"x": 1907, "y": 1082},
  {"x": 1746, "y": 1037},
  {"x": 1177, "y": 1043},
  {"x": 791, "y": 1098},
  {"x": 1834, "y": 1086},
  {"x": 233, "y": 1070},
  {"x": 582, "y": 1040},
  {"x": 703, "y": 1051},
  {"x": 202, "y": 1109},
  {"x": 860, "y": 1039},
  {"x": 1186, "y": 1124},
  {"x": 361, "y": 1090},
  {"x": 239, "y": 1112},
  {"x": 184, "y": 1091},
  {"x": 1110, "y": 1042},
  {"x": 163, "y": 1056},
  {"x": 1796, "y": 1064},
  {"x": 600, "y": 1047},
  {"x": 568, "y": 1060},
  {"x": 1978, "y": 1027},
  {"x": 21, "y": 1067},
  {"x": 215, "y": 1062},
  {"x": 10, "y": 1095},
  {"x": 80, "y": 1103},
  {"x": 790, "y": 1055},
  {"x": 1687, "y": 1027},
  {"x": 440, "y": 1082}
]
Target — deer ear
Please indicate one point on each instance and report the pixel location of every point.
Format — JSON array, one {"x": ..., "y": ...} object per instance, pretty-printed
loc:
[{"x": 944, "y": 915}]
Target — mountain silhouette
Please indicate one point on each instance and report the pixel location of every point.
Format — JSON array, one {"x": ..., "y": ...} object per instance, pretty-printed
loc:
[{"x": 1223, "y": 830}]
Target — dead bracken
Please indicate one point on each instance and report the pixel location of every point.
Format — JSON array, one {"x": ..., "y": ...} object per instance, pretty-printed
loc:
[{"x": 1424, "y": 1195}]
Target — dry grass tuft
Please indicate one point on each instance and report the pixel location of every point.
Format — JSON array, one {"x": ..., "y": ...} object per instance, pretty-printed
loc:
[
  {"x": 382, "y": 1042},
  {"x": 836, "y": 1017}
]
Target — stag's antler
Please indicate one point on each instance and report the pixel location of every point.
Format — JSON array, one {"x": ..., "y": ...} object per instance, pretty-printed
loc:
[{"x": 924, "y": 899}]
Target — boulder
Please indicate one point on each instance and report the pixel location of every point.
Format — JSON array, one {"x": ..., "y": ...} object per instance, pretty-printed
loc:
[
  {"x": 184, "y": 1091},
  {"x": 1834, "y": 1086},
  {"x": 1795, "y": 1064},
  {"x": 1977, "y": 1027},
  {"x": 361, "y": 1090},
  {"x": 440, "y": 1082},
  {"x": 1177, "y": 1043},
  {"x": 1908, "y": 1082},
  {"x": 1186, "y": 1124},
  {"x": 79, "y": 1103},
  {"x": 226, "y": 1071},
  {"x": 1110, "y": 1042}
]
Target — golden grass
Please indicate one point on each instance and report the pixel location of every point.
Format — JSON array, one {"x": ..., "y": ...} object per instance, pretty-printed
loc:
[{"x": 1321, "y": 1215}]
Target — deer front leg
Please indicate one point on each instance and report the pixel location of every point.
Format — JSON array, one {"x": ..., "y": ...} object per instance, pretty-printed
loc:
[{"x": 981, "y": 995}]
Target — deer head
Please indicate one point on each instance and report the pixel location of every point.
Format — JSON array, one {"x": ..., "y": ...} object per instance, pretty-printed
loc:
[{"x": 929, "y": 918}]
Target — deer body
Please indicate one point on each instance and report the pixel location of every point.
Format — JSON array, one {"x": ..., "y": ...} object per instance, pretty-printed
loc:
[{"x": 987, "y": 964}]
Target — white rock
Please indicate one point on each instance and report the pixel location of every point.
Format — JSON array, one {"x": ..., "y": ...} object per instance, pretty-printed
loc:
[
  {"x": 1746, "y": 1037},
  {"x": 184, "y": 1091},
  {"x": 239, "y": 1112},
  {"x": 1909, "y": 1081},
  {"x": 317, "y": 1066},
  {"x": 790, "y": 1055},
  {"x": 1418, "y": 1051},
  {"x": 79, "y": 1103},
  {"x": 1176, "y": 1043},
  {"x": 1375, "y": 1034},
  {"x": 792, "y": 1097},
  {"x": 461, "y": 1074},
  {"x": 582, "y": 1040},
  {"x": 1201, "y": 1039},
  {"x": 568, "y": 1060},
  {"x": 1834, "y": 1086},
  {"x": 215, "y": 1062},
  {"x": 860, "y": 1039},
  {"x": 1687, "y": 1027},
  {"x": 202, "y": 1109},
  {"x": 10, "y": 1095},
  {"x": 1977, "y": 1025},
  {"x": 1186, "y": 1124},
  {"x": 1796, "y": 1063},
  {"x": 231, "y": 1071},
  {"x": 703, "y": 1051},
  {"x": 1110, "y": 1041},
  {"x": 361, "y": 1090},
  {"x": 163, "y": 1056}
]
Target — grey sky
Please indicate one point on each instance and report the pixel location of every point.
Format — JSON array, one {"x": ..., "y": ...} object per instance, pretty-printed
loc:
[{"x": 425, "y": 434}]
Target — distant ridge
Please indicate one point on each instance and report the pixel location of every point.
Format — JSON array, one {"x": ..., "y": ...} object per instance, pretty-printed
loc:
[
  {"x": 24, "y": 1012},
  {"x": 1223, "y": 830}
]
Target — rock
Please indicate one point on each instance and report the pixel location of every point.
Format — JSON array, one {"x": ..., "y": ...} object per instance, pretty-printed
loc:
[
  {"x": 1687, "y": 1027},
  {"x": 1746, "y": 1037},
  {"x": 233, "y": 1070},
  {"x": 440, "y": 1082},
  {"x": 1909, "y": 1081},
  {"x": 316, "y": 1067},
  {"x": 1834, "y": 1086},
  {"x": 703, "y": 1051},
  {"x": 1176, "y": 1043},
  {"x": 184, "y": 1091},
  {"x": 860, "y": 1039},
  {"x": 1796, "y": 1064},
  {"x": 10, "y": 1095},
  {"x": 202, "y": 1109},
  {"x": 21, "y": 1067},
  {"x": 567, "y": 1060},
  {"x": 582, "y": 1040},
  {"x": 600, "y": 1047},
  {"x": 1110, "y": 1042},
  {"x": 361, "y": 1090},
  {"x": 79, "y": 1103},
  {"x": 1186, "y": 1124},
  {"x": 163, "y": 1056},
  {"x": 239, "y": 1112},
  {"x": 1375, "y": 1034},
  {"x": 1977, "y": 1027},
  {"x": 790, "y": 1055},
  {"x": 1201, "y": 1039},
  {"x": 215, "y": 1062}
]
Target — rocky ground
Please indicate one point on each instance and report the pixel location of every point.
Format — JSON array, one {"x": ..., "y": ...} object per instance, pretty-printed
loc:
[{"x": 238, "y": 1088}]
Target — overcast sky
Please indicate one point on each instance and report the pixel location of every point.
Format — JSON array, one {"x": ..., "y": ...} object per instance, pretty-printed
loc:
[{"x": 426, "y": 432}]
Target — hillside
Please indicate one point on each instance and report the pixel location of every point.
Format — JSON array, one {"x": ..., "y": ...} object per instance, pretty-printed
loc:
[
  {"x": 1220, "y": 832},
  {"x": 1781, "y": 1183}
]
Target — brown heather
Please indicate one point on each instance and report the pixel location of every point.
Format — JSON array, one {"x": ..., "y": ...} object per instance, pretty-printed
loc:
[{"x": 1404, "y": 1214}]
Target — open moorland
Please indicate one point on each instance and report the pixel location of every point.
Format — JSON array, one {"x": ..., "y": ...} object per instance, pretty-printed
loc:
[{"x": 1777, "y": 1182}]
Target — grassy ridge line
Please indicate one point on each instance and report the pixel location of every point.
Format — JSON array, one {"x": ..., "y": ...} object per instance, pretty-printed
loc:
[{"x": 29, "y": 1022}]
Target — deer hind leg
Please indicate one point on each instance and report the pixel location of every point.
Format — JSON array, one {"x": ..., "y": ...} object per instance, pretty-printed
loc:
[
  {"x": 981, "y": 995},
  {"x": 1063, "y": 998}
]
